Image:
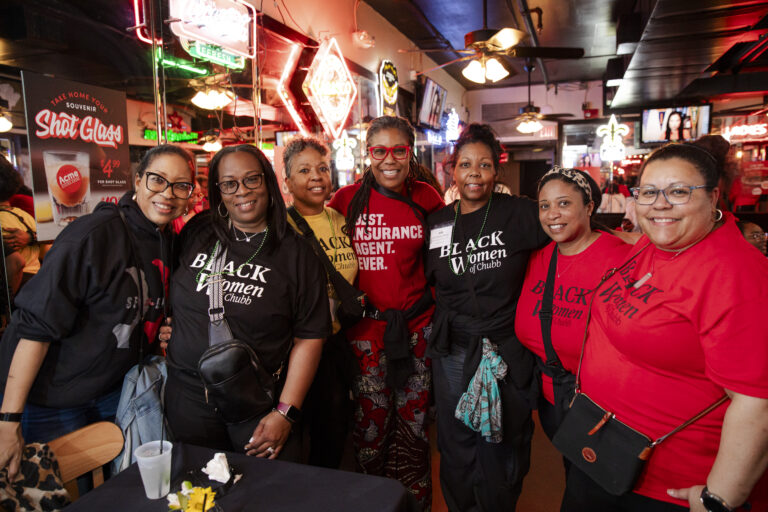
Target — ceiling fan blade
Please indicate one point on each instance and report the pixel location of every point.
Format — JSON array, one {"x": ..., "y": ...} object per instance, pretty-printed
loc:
[
  {"x": 506, "y": 38},
  {"x": 554, "y": 117},
  {"x": 441, "y": 66},
  {"x": 545, "y": 52},
  {"x": 401, "y": 50}
]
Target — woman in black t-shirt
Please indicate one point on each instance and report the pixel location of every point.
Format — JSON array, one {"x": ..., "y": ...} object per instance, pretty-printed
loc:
[
  {"x": 274, "y": 298},
  {"x": 478, "y": 252}
]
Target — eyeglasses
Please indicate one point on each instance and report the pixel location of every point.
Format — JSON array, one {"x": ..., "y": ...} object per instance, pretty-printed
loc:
[
  {"x": 381, "y": 152},
  {"x": 158, "y": 184},
  {"x": 251, "y": 182},
  {"x": 757, "y": 237},
  {"x": 674, "y": 194}
]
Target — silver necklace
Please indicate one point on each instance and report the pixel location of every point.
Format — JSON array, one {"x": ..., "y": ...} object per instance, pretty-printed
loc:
[{"x": 246, "y": 236}]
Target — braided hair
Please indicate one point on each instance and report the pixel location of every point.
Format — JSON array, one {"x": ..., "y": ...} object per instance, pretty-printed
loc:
[{"x": 359, "y": 203}]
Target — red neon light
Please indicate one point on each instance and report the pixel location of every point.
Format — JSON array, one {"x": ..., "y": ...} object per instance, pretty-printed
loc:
[
  {"x": 140, "y": 23},
  {"x": 282, "y": 89},
  {"x": 190, "y": 26},
  {"x": 330, "y": 88}
]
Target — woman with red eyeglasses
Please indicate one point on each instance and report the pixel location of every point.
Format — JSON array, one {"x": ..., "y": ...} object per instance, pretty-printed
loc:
[{"x": 386, "y": 218}]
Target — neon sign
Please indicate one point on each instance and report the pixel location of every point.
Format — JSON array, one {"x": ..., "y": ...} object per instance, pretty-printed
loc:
[
  {"x": 140, "y": 18},
  {"x": 284, "y": 93},
  {"x": 387, "y": 88},
  {"x": 329, "y": 88},
  {"x": 226, "y": 23},
  {"x": 612, "y": 148},
  {"x": 345, "y": 159},
  {"x": 745, "y": 130},
  {"x": 215, "y": 54},
  {"x": 452, "y": 126},
  {"x": 172, "y": 136},
  {"x": 434, "y": 138}
]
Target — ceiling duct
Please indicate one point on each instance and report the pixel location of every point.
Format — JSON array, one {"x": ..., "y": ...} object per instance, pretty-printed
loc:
[{"x": 629, "y": 30}]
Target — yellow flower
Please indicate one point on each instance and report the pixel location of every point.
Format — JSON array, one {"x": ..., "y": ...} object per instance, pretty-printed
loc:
[{"x": 199, "y": 494}]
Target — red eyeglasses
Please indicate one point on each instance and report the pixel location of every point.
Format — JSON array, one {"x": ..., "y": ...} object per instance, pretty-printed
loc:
[{"x": 381, "y": 152}]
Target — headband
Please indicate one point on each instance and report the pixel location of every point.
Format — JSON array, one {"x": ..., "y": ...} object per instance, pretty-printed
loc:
[
  {"x": 572, "y": 175},
  {"x": 701, "y": 149}
]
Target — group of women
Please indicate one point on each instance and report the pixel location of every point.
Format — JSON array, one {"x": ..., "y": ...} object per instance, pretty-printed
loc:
[{"x": 454, "y": 302}]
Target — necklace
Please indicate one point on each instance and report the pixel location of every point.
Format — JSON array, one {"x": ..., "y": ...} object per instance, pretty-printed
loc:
[
  {"x": 246, "y": 237},
  {"x": 477, "y": 239},
  {"x": 566, "y": 269},
  {"x": 640, "y": 282},
  {"x": 215, "y": 250}
]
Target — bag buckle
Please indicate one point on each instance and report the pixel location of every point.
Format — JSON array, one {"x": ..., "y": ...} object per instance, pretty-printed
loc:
[{"x": 600, "y": 424}]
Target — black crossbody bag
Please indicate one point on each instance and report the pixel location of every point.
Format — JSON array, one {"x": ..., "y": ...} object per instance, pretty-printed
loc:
[
  {"x": 352, "y": 301},
  {"x": 563, "y": 381},
  {"x": 235, "y": 382},
  {"x": 610, "y": 452}
]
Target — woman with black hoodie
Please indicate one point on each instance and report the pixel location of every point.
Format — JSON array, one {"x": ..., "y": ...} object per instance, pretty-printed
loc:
[{"x": 75, "y": 331}]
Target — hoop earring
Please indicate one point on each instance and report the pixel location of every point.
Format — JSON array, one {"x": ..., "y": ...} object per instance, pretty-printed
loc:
[
  {"x": 133, "y": 196},
  {"x": 186, "y": 211},
  {"x": 717, "y": 215},
  {"x": 225, "y": 214}
]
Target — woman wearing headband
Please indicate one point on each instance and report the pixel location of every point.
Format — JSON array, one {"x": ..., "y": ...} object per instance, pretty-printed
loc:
[
  {"x": 478, "y": 251},
  {"x": 581, "y": 255},
  {"x": 677, "y": 328}
]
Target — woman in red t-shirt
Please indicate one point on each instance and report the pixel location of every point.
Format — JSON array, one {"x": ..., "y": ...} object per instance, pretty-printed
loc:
[
  {"x": 676, "y": 328},
  {"x": 386, "y": 214},
  {"x": 567, "y": 200}
]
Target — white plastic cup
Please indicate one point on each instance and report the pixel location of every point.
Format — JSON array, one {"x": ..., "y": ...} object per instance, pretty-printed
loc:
[{"x": 155, "y": 468}]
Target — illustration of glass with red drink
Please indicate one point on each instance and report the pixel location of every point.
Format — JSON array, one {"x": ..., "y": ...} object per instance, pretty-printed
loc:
[{"x": 68, "y": 176}]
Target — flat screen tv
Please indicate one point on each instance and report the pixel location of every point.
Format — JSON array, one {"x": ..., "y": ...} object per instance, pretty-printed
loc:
[
  {"x": 432, "y": 105},
  {"x": 675, "y": 124}
]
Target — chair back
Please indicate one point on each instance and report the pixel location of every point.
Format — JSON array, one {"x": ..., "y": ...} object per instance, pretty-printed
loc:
[{"x": 86, "y": 450}]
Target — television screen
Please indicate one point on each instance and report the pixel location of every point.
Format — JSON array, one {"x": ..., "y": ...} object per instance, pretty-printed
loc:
[
  {"x": 432, "y": 104},
  {"x": 675, "y": 124}
]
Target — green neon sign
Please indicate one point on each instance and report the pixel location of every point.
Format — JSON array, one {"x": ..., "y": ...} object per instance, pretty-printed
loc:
[
  {"x": 216, "y": 54},
  {"x": 172, "y": 136}
]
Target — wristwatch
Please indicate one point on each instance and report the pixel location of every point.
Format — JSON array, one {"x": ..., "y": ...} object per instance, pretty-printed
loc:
[
  {"x": 291, "y": 413},
  {"x": 713, "y": 502}
]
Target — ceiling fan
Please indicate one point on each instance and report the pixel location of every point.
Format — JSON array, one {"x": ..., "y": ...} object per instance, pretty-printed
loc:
[
  {"x": 530, "y": 117},
  {"x": 485, "y": 48}
]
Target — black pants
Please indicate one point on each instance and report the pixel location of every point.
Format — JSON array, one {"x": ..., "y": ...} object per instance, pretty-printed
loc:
[
  {"x": 193, "y": 421},
  {"x": 476, "y": 475},
  {"x": 327, "y": 409},
  {"x": 582, "y": 494},
  {"x": 549, "y": 423}
]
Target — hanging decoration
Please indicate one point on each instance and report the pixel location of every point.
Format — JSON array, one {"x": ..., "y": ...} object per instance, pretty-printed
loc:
[
  {"x": 612, "y": 148},
  {"x": 388, "y": 87},
  {"x": 329, "y": 87},
  {"x": 452, "y": 126}
]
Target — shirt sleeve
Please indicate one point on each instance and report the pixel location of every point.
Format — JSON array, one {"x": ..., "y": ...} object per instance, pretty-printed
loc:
[{"x": 313, "y": 316}]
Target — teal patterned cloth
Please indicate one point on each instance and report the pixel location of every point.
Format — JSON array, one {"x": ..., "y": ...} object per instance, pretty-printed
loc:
[{"x": 479, "y": 407}]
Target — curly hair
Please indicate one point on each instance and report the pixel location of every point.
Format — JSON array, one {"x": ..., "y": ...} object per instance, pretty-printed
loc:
[
  {"x": 10, "y": 180},
  {"x": 298, "y": 145},
  {"x": 482, "y": 134}
]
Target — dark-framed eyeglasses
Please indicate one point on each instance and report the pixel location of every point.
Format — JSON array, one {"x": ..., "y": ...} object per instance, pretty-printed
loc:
[
  {"x": 158, "y": 184},
  {"x": 757, "y": 236},
  {"x": 674, "y": 194},
  {"x": 381, "y": 152},
  {"x": 251, "y": 182}
]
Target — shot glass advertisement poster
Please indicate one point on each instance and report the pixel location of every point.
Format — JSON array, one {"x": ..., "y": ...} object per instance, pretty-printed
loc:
[{"x": 78, "y": 148}]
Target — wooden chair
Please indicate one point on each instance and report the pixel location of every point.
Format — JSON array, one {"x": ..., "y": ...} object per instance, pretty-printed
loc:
[{"x": 86, "y": 450}]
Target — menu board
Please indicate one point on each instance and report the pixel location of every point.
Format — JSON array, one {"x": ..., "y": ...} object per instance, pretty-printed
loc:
[{"x": 78, "y": 149}]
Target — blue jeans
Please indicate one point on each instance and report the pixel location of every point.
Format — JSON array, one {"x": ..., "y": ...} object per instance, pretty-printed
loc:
[{"x": 42, "y": 424}]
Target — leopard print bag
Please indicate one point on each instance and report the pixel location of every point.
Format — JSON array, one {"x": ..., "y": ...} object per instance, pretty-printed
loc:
[{"x": 38, "y": 485}]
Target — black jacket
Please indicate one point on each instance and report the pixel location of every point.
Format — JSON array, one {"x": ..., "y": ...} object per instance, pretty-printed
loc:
[{"x": 84, "y": 301}]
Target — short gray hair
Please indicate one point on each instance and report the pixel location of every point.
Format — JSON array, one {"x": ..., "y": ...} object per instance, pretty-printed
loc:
[{"x": 298, "y": 145}]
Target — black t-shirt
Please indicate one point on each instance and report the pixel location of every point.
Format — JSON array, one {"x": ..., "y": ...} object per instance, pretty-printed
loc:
[
  {"x": 495, "y": 269},
  {"x": 278, "y": 296}
]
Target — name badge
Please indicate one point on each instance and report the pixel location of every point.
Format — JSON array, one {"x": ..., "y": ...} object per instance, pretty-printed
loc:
[{"x": 440, "y": 236}]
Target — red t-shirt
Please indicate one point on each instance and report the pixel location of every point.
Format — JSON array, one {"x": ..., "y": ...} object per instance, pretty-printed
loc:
[
  {"x": 660, "y": 353},
  {"x": 390, "y": 253},
  {"x": 577, "y": 274}
]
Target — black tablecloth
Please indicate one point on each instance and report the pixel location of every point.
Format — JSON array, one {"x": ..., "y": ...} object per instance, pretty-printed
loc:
[{"x": 267, "y": 485}]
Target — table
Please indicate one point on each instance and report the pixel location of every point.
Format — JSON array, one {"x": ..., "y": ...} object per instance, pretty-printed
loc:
[{"x": 267, "y": 485}]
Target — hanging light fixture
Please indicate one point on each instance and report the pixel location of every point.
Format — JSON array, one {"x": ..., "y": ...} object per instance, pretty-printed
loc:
[
  {"x": 479, "y": 71},
  {"x": 212, "y": 147},
  {"x": 213, "y": 99},
  {"x": 529, "y": 126},
  {"x": 5, "y": 123}
]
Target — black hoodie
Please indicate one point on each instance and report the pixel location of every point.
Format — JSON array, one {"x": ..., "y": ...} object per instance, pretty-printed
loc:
[{"x": 84, "y": 302}]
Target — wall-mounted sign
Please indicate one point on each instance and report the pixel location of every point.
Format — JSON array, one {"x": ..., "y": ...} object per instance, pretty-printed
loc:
[
  {"x": 745, "y": 131},
  {"x": 215, "y": 54},
  {"x": 388, "y": 89},
  {"x": 330, "y": 88},
  {"x": 172, "y": 136},
  {"x": 434, "y": 138},
  {"x": 284, "y": 91},
  {"x": 345, "y": 158},
  {"x": 612, "y": 148},
  {"x": 452, "y": 126},
  {"x": 78, "y": 149},
  {"x": 229, "y": 24}
]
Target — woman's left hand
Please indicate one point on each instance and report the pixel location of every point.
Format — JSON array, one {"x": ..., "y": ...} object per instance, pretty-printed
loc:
[
  {"x": 165, "y": 334},
  {"x": 692, "y": 495},
  {"x": 269, "y": 436}
]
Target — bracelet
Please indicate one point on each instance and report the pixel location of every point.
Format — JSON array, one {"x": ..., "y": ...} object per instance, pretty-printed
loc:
[{"x": 14, "y": 417}]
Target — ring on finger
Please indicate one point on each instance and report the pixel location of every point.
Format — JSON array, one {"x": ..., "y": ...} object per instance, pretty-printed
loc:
[{"x": 270, "y": 450}]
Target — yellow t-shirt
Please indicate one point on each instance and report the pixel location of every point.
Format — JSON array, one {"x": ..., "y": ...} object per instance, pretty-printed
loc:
[
  {"x": 338, "y": 248},
  {"x": 30, "y": 253}
]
